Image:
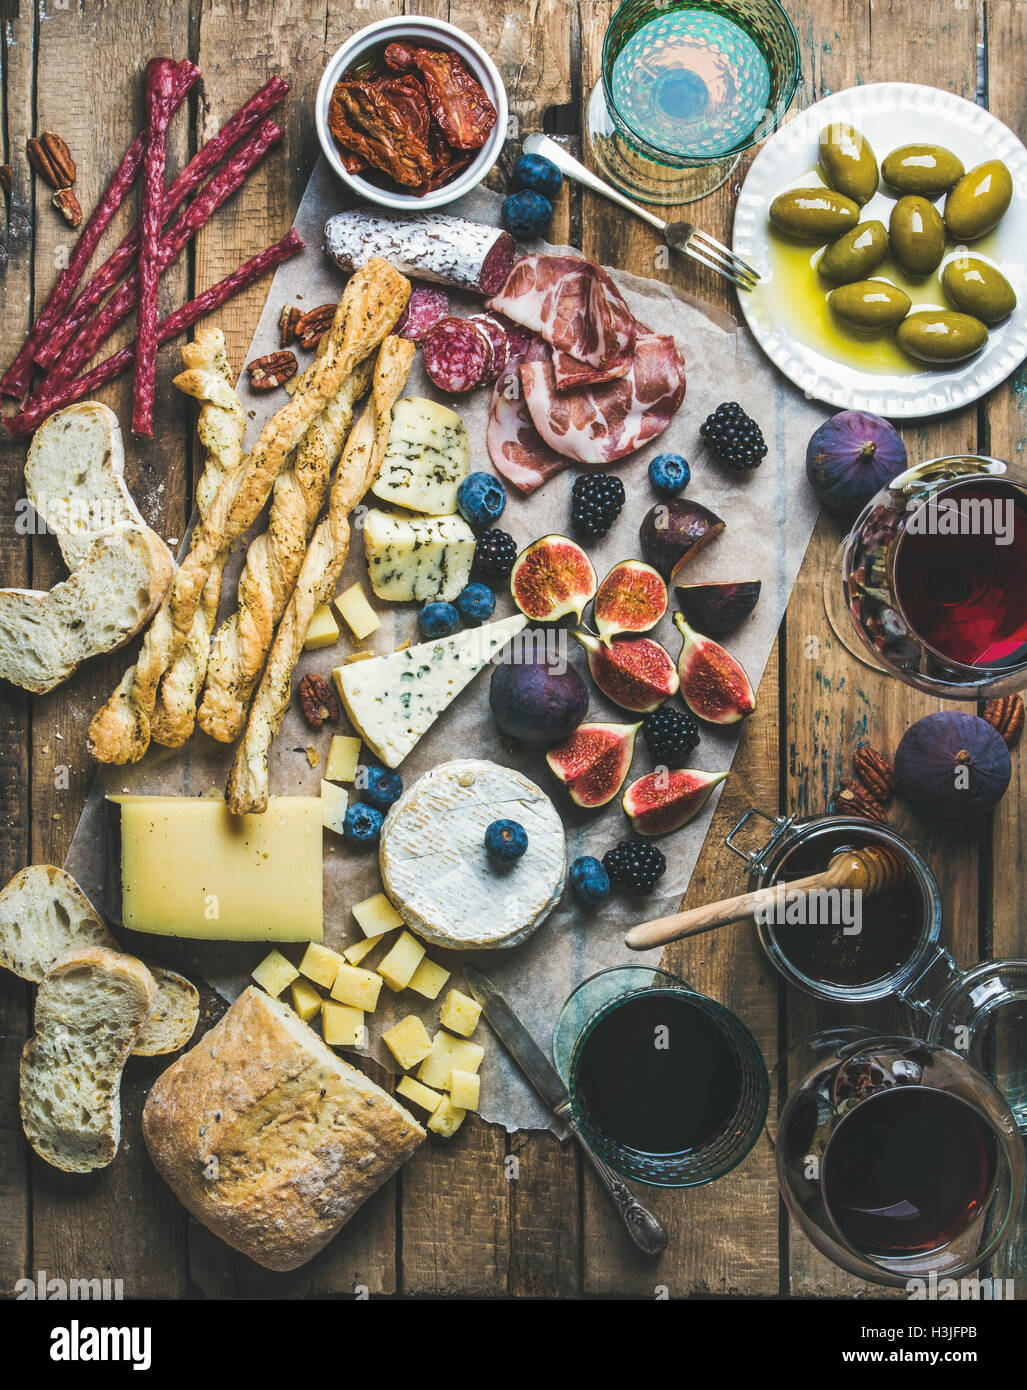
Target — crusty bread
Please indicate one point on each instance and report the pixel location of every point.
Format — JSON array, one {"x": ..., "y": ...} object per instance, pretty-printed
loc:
[
  {"x": 114, "y": 592},
  {"x": 89, "y": 1011},
  {"x": 269, "y": 1138},
  {"x": 44, "y": 914}
]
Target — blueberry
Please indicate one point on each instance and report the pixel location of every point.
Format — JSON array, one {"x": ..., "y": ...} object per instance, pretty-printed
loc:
[
  {"x": 669, "y": 473},
  {"x": 539, "y": 174},
  {"x": 527, "y": 213},
  {"x": 438, "y": 620},
  {"x": 362, "y": 825},
  {"x": 589, "y": 880},
  {"x": 481, "y": 499},
  {"x": 381, "y": 788},
  {"x": 476, "y": 603},
  {"x": 505, "y": 839}
]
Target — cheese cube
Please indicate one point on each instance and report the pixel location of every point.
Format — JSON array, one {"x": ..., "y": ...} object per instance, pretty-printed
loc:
[
  {"x": 341, "y": 1026},
  {"x": 448, "y": 1053},
  {"x": 320, "y": 964},
  {"x": 459, "y": 1014},
  {"x": 426, "y": 459},
  {"x": 356, "y": 953},
  {"x": 409, "y": 557},
  {"x": 464, "y": 1089},
  {"x": 275, "y": 973},
  {"x": 305, "y": 1000},
  {"x": 343, "y": 758},
  {"x": 398, "y": 966},
  {"x": 446, "y": 1119},
  {"x": 360, "y": 988},
  {"x": 323, "y": 630},
  {"x": 334, "y": 803},
  {"x": 353, "y": 607},
  {"x": 408, "y": 1041},
  {"x": 428, "y": 979},
  {"x": 376, "y": 915},
  {"x": 423, "y": 1096}
]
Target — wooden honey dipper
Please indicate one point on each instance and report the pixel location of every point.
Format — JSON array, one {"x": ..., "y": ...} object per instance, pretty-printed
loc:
[{"x": 869, "y": 870}]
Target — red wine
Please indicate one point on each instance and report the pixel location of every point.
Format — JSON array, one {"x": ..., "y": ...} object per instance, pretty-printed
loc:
[
  {"x": 908, "y": 1170},
  {"x": 657, "y": 1074},
  {"x": 965, "y": 594}
]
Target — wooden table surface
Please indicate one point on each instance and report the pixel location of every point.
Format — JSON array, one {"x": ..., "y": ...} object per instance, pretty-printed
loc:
[{"x": 461, "y": 1219}]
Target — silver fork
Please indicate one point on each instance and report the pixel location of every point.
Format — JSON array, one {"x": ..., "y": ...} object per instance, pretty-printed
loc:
[{"x": 683, "y": 236}]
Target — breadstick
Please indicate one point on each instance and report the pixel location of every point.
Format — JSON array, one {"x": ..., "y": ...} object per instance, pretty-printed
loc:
[
  {"x": 319, "y": 574},
  {"x": 272, "y": 563},
  {"x": 371, "y": 304}
]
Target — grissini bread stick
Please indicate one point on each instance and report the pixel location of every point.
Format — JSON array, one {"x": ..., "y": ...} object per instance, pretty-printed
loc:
[
  {"x": 160, "y": 90},
  {"x": 272, "y": 563},
  {"x": 371, "y": 303},
  {"x": 318, "y": 576}
]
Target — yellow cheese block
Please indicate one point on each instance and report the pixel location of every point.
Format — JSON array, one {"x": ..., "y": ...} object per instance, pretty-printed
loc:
[
  {"x": 359, "y": 988},
  {"x": 275, "y": 972},
  {"x": 376, "y": 915},
  {"x": 189, "y": 868},
  {"x": 343, "y": 758},
  {"x": 356, "y": 953},
  {"x": 428, "y": 979},
  {"x": 408, "y": 1041},
  {"x": 397, "y": 968},
  {"x": 448, "y": 1054},
  {"x": 305, "y": 1000},
  {"x": 464, "y": 1089},
  {"x": 360, "y": 617},
  {"x": 323, "y": 630},
  {"x": 320, "y": 964},
  {"x": 341, "y": 1026},
  {"x": 423, "y": 1096},
  {"x": 459, "y": 1014},
  {"x": 446, "y": 1118}
]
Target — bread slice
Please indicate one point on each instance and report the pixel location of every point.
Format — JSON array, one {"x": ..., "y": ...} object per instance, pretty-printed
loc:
[
  {"x": 113, "y": 593},
  {"x": 44, "y": 914},
  {"x": 89, "y": 1011}
]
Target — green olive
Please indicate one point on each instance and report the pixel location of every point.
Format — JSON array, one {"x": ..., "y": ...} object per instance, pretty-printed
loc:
[
  {"x": 979, "y": 200},
  {"x": 926, "y": 169},
  {"x": 978, "y": 288},
  {"x": 855, "y": 254},
  {"x": 848, "y": 162},
  {"x": 917, "y": 235},
  {"x": 933, "y": 335},
  {"x": 813, "y": 214},
  {"x": 870, "y": 303}
]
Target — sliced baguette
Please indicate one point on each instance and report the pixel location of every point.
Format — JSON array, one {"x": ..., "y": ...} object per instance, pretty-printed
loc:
[
  {"x": 174, "y": 1017},
  {"x": 90, "y": 1009}
]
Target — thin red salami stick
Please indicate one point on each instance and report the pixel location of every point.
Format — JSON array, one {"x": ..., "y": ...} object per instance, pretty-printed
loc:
[
  {"x": 160, "y": 79},
  {"x": 48, "y": 352},
  {"x": 19, "y": 374},
  {"x": 220, "y": 187},
  {"x": 113, "y": 366}
]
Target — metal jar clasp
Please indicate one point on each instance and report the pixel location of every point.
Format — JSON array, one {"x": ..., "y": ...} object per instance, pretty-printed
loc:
[{"x": 756, "y": 859}]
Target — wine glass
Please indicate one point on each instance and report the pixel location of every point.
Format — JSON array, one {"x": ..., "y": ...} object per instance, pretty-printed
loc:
[{"x": 687, "y": 85}]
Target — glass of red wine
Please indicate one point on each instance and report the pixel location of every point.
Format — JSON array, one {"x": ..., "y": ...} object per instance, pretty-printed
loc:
[{"x": 669, "y": 1087}]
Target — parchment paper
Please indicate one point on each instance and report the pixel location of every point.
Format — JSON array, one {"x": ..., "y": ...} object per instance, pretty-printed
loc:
[{"x": 769, "y": 515}]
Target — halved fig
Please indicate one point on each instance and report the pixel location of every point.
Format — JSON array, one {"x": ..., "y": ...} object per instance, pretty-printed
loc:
[
  {"x": 673, "y": 532},
  {"x": 718, "y": 608},
  {"x": 634, "y": 672},
  {"x": 551, "y": 578},
  {"x": 713, "y": 684},
  {"x": 632, "y": 598},
  {"x": 593, "y": 762},
  {"x": 664, "y": 801}
]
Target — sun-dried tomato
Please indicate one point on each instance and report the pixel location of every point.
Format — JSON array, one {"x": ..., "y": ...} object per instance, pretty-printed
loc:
[
  {"x": 384, "y": 122},
  {"x": 460, "y": 107}
]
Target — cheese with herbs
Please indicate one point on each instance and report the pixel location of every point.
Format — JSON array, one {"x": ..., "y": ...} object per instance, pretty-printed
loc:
[
  {"x": 422, "y": 558},
  {"x": 427, "y": 458}
]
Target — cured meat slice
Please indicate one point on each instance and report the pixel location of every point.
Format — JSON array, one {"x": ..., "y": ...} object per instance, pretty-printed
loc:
[
  {"x": 517, "y": 450},
  {"x": 597, "y": 424},
  {"x": 519, "y": 339},
  {"x": 425, "y": 308},
  {"x": 445, "y": 250},
  {"x": 573, "y": 305},
  {"x": 456, "y": 355},
  {"x": 498, "y": 344},
  {"x": 569, "y": 372}
]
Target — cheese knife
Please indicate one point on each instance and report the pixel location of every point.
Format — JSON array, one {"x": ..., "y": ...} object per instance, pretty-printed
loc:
[{"x": 643, "y": 1227}]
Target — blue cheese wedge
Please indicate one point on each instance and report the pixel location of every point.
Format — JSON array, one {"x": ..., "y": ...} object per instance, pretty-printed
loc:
[
  {"x": 392, "y": 701},
  {"x": 422, "y": 558},
  {"x": 427, "y": 458},
  {"x": 435, "y": 869}
]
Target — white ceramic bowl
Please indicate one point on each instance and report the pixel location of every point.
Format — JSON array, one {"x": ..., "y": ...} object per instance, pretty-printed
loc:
[{"x": 431, "y": 33}]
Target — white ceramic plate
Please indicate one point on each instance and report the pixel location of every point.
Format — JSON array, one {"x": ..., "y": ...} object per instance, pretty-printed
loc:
[{"x": 889, "y": 114}]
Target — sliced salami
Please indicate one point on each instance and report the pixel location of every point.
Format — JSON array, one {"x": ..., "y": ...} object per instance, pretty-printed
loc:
[
  {"x": 425, "y": 308},
  {"x": 519, "y": 340},
  {"x": 499, "y": 346},
  {"x": 446, "y": 250},
  {"x": 456, "y": 355}
]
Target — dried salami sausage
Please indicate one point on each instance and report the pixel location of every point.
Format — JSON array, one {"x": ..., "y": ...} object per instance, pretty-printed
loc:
[{"x": 446, "y": 250}]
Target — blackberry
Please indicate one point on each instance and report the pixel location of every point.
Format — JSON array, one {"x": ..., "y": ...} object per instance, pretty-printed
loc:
[
  {"x": 736, "y": 439},
  {"x": 636, "y": 864},
  {"x": 596, "y": 502},
  {"x": 670, "y": 734},
  {"x": 494, "y": 554}
]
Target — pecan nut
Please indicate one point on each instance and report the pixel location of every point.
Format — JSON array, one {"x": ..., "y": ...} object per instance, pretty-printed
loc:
[
  {"x": 875, "y": 772},
  {"x": 51, "y": 159},
  {"x": 853, "y": 799},
  {"x": 273, "y": 370},
  {"x": 68, "y": 206},
  {"x": 317, "y": 701},
  {"x": 313, "y": 325},
  {"x": 287, "y": 321},
  {"x": 1006, "y": 716}
]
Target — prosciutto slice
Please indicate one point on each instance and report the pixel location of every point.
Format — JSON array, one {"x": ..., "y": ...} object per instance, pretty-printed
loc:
[
  {"x": 597, "y": 424},
  {"x": 574, "y": 306},
  {"x": 517, "y": 450}
]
